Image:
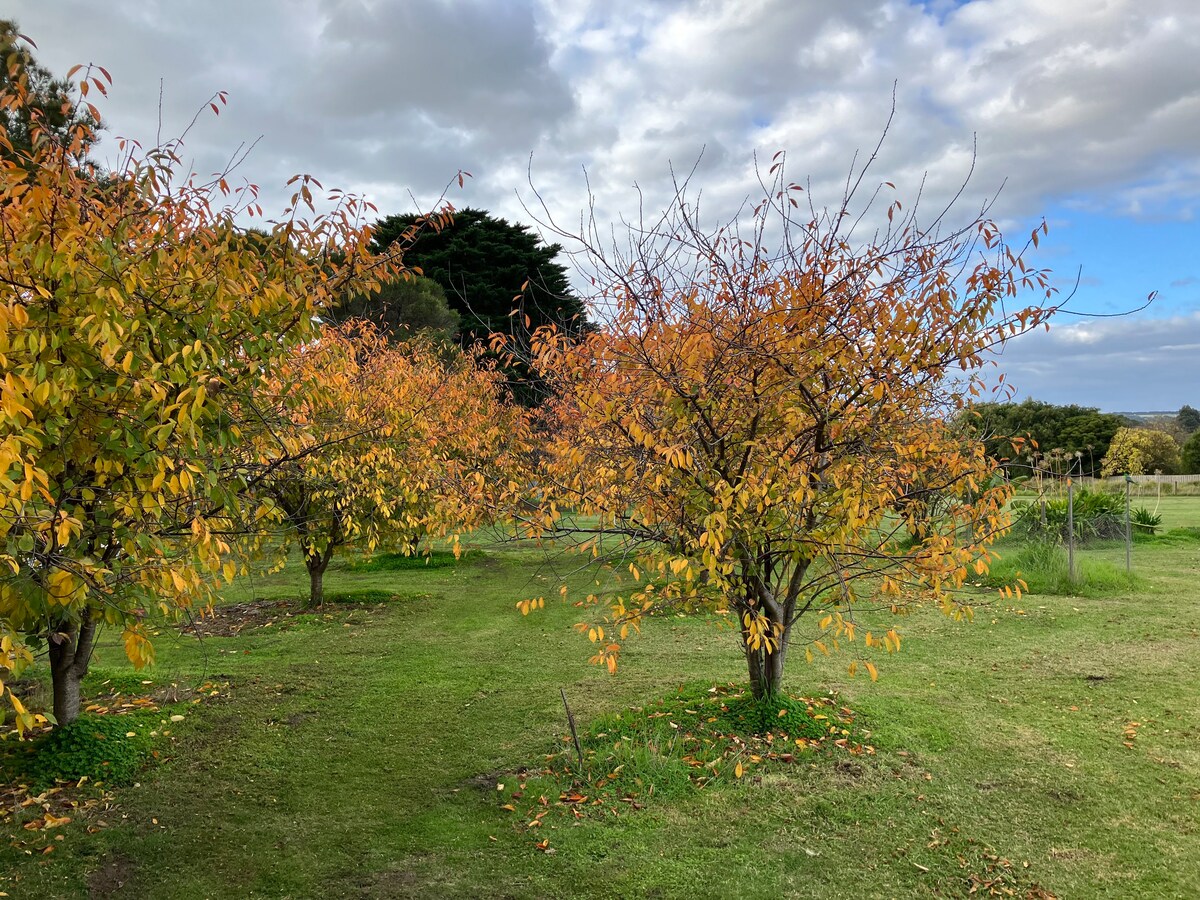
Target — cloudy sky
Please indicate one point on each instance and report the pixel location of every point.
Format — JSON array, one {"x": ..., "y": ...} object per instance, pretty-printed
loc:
[{"x": 1086, "y": 111}]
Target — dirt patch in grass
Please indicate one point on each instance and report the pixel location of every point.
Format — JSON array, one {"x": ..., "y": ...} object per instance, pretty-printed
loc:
[
  {"x": 1071, "y": 853},
  {"x": 388, "y": 883},
  {"x": 393, "y": 883},
  {"x": 1065, "y": 795},
  {"x": 485, "y": 782},
  {"x": 235, "y": 618},
  {"x": 111, "y": 878},
  {"x": 227, "y": 621}
]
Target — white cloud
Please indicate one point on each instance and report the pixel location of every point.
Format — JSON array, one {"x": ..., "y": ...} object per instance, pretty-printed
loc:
[
  {"x": 1083, "y": 104},
  {"x": 1121, "y": 364},
  {"x": 1067, "y": 98}
]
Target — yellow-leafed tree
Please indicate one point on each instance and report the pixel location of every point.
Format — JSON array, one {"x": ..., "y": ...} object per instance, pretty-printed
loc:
[
  {"x": 753, "y": 429},
  {"x": 1141, "y": 451},
  {"x": 371, "y": 444},
  {"x": 137, "y": 318}
]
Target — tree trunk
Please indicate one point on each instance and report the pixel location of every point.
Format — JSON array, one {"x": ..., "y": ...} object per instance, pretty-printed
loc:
[
  {"x": 70, "y": 653},
  {"x": 316, "y": 563},
  {"x": 766, "y": 669},
  {"x": 766, "y": 665}
]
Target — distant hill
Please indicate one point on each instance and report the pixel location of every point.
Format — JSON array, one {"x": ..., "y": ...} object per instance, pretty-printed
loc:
[{"x": 1148, "y": 415}]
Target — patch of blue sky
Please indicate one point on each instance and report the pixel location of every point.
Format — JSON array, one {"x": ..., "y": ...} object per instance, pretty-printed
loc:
[
  {"x": 939, "y": 9},
  {"x": 1120, "y": 260}
]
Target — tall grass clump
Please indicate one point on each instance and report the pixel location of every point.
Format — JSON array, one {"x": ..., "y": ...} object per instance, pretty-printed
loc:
[{"x": 1043, "y": 566}]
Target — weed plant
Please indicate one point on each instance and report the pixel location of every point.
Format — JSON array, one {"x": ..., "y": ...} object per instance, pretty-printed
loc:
[
  {"x": 1145, "y": 521},
  {"x": 109, "y": 749}
]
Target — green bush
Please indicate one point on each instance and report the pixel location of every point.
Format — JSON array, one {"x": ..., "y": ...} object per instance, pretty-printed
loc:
[{"x": 779, "y": 714}]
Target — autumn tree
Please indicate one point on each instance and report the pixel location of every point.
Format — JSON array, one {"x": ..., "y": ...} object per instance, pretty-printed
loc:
[
  {"x": 738, "y": 433},
  {"x": 371, "y": 444},
  {"x": 1169, "y": 425},
  {"x": 1141, "y": 451},
  {"x": 137, "y": 317}
]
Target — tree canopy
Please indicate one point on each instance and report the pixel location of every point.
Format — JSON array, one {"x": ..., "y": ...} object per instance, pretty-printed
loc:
[
  {"x": 739, "y": 436},
  {"x": 136, "y": 318},
  {"x": 46, "y": 108},
  {"x": 1080, "y": 433},
  {"x": 1190, "y": 455},
  {"x": 1141, "y": 451},
  {"x": 1188, "y": 419},
  {"x": 498, "y": 276},
  {"x": 403, "y": 308},
  {"x": 381, "y": 442}
]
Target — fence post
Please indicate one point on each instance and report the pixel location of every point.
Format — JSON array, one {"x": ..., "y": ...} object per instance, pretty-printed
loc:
[
  {"x": 1128, "y": 529},
  {"x": 1071, "y": 529}
]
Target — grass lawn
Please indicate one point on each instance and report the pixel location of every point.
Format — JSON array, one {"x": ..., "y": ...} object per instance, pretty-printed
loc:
[{"x": 1052, "y": 746}]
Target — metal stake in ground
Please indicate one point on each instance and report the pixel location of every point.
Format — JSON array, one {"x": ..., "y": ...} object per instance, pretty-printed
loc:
[
  {"x": 1128, "y": 529},
  {"x": 1071, "y": 530},
  {"x": 574, "y": 733}
]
